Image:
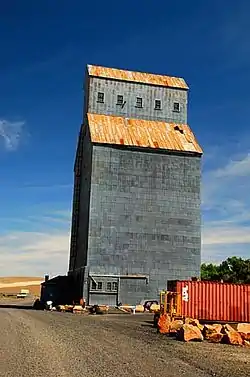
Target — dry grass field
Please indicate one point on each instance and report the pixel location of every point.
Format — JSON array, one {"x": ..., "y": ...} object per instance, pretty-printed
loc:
[{"x": 14, "y": 284}]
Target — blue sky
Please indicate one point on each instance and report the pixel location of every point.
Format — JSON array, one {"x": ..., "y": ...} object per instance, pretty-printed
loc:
[{"x": 45, "y": 46}]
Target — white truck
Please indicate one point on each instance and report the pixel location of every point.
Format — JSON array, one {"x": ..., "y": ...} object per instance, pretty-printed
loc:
[{"x": 23, "y": 293}]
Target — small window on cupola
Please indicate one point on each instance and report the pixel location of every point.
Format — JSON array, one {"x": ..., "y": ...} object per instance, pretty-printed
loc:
[{"x": 157, "y": 104}]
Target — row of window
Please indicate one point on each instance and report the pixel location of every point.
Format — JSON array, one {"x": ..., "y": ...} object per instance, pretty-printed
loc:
[
  {"x": 111, "y": 286},
  {"x": 138, "y": 103}
]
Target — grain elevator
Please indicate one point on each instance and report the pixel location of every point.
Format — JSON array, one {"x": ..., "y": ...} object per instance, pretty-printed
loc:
[{"x": 136, "y": 205}]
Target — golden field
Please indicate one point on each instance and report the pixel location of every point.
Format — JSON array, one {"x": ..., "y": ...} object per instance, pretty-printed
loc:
[{"x": 14, "y": 284}]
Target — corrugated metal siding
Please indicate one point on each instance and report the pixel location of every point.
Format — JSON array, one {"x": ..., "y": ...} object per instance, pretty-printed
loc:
[
  {"x": 144, "y": 218},
  {"x": 143, "y": 133},
  {"x": 133, "y": 291},
  {"x": 130, "y": 91},
  {"x": 143, "y": 77},
  {"x": 216, "y": 301},
  {"x": 103, "y": 299}
]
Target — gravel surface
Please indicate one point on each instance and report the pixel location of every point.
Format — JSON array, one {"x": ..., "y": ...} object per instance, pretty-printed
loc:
[{"x": 34, "y": 343}]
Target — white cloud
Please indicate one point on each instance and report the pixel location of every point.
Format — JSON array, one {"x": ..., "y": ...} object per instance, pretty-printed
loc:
[
  {"x": 226, "y": 210},
  {"x": 52, "y": 218},
  {"x": 42, "y": 248},
  {"x": 217, "y": 253},
  {"x": 228, "y": 185},
  {"x": 220, "y": 234},
  {"x": 238, "y": 168},
  {"x": 11, "y": 133},
  {"x": 34, "y": 253}
]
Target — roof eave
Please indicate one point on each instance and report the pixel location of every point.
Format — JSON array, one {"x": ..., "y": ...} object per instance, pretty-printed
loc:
[
  {"x": 148, "y": 149},
  {"x": 186, "y": 87}
]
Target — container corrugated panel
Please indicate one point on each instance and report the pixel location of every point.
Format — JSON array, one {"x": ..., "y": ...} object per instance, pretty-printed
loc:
[
  {"x": 214, "y": 301},
  {"x": 109, "y": 129},
  {"x": 141, "y": 77}
]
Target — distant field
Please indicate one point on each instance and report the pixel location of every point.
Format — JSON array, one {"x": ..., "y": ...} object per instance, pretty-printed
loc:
[
  {"x": 15, "y": 279},
  {"x": 15, "y": 284}
]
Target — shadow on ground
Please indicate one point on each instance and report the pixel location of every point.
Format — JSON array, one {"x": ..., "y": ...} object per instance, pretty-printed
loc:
[
  {"x": 147, "y": 325},
  {"x": 16, "y": 306}
]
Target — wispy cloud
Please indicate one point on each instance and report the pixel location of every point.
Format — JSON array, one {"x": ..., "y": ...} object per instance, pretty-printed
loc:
[
  {"x": 34, "y": 253},
  {"x": 226, "y": 235},
  {"x": 10, "y": 133},
  {"x": 42, "y": 187},
  {"x": 227, "y": 187},
  {"x": 37, "y": 249},
  {"x": 226, "y": 209},
  {"x": 235, "y": 168},
  {"x": 56, "y": 218}
]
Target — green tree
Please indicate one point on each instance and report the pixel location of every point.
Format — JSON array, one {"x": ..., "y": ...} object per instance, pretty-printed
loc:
[
  {"x": 232, "y": 270},
  {"x": 209, "y": 272}
]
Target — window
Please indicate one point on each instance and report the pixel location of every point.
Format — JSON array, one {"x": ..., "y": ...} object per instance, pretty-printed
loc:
[
  {"x": 157, "y": 104},
  {"x": 119, "y": 100},
  {"x": 100, "y": 97},
  {"x": 176, "y": 107},
  {"x": 138, "y": 102},
  {"x": 115, "y": 286},
  {"x": 99, "y": 285},
  {"x": 109, "y": 286},
  {"x": 93, "y": 285}
]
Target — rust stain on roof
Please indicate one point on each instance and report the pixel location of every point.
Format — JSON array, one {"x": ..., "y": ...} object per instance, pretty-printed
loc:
[
  {"x": 109, "y": 129},
  {"x": 146, "y": 78}
]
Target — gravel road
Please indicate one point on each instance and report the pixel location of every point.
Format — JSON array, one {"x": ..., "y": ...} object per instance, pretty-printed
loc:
[{"x": 34, "y": 343}]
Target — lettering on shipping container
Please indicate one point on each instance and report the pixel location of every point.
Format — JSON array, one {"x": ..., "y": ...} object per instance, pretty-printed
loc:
[{"x": 185, "y": 293}]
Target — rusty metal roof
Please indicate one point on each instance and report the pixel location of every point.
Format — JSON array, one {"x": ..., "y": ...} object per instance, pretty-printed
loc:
[
  {"x": 108, "y": 129},
  {"x": 146, "y": 78}
]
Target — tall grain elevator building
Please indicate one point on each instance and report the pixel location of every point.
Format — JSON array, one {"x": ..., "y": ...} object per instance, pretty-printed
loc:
[{"x": 136, "y": 208}]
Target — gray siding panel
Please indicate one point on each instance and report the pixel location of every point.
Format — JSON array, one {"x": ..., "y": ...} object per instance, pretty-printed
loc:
[
  {"x": 133, "y": 291},
  {"x": 131, "y": 90},
  {"x": 102, "y": 299},
  {"x": 85, "y": 187},
  {"x": 144, "y": 217},
  {"x": 105, "y": 295}
]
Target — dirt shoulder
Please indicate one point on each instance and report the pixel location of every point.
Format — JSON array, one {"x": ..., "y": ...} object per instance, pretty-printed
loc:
[{"x": 112, "y": 345}]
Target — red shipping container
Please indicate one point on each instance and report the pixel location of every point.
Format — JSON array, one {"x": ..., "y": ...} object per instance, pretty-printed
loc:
[{"x": 213, "y": 301}]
